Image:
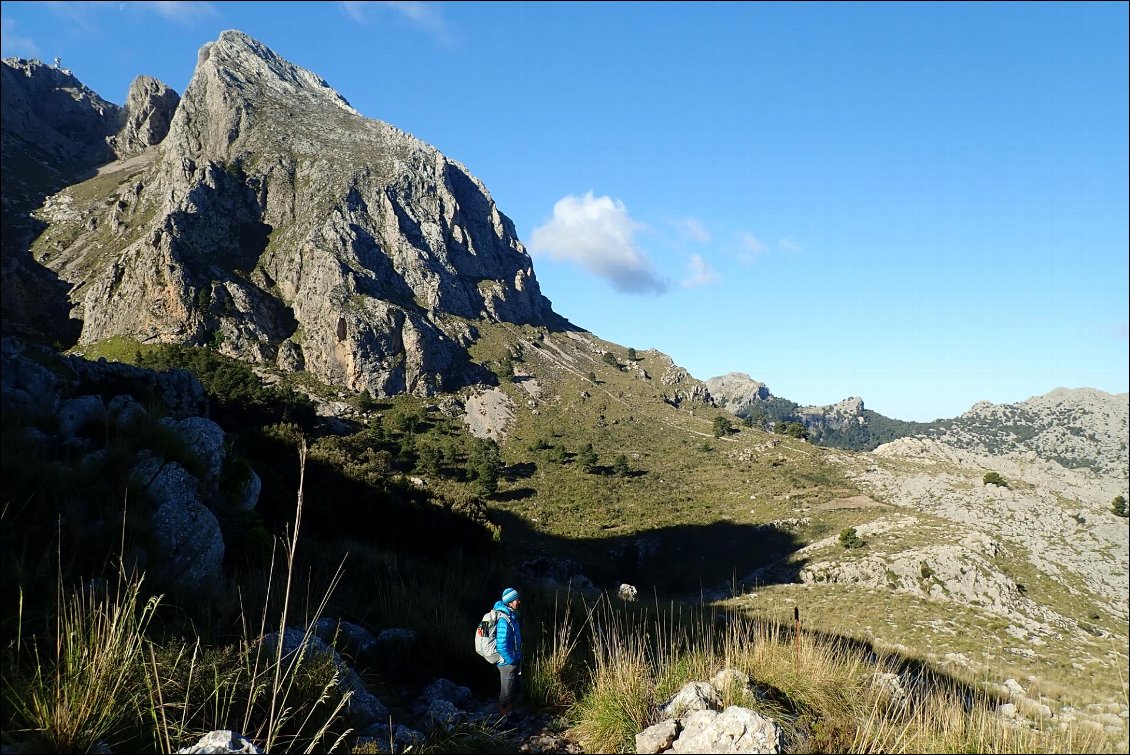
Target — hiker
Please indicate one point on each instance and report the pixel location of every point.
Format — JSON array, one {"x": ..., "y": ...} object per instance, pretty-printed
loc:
[{"x": 509, "y": 645}]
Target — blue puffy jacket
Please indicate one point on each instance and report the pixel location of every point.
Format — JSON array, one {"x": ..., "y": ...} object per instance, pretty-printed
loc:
[{"x": 508, "y": 636}]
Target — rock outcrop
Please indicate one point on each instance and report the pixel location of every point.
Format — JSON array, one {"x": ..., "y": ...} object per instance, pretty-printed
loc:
[
  {"x": 840, "y": 413},
  {"x": 150, "y": 106},
  {"x": 187, "y": 482},
  {"x": 736, "y": 391},
  {"x": 280, "y": 225},
  {"x": 684, "y": 388},
  {"x": 694, "y": 720}
]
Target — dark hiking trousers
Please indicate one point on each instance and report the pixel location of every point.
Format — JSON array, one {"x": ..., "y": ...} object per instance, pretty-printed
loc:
[{"x": 511, "y": 685}]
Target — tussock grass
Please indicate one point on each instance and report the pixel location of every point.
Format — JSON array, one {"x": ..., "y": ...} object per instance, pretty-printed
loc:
[
  {"x": 84, "y": 687},
  {"x": 824, "y": 691}
]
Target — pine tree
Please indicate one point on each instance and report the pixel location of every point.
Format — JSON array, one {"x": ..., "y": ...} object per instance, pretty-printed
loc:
[{"x": 587, "y": 458}]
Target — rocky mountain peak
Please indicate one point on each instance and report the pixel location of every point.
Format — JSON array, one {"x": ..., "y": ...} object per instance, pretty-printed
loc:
[
  {"x": 241, "y": 60},
  {"x": 240, "y": 87},
  {"x": 736, "y": 391},
  {"x": 280, "y": 225},
  {"x": 150, "y": 106}
]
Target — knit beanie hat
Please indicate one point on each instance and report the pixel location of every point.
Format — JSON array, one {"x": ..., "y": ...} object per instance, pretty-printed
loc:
[{"x": 509, "y": 595}]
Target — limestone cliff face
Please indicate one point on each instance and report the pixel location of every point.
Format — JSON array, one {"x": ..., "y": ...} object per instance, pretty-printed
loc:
[
  {"x": 53, "y": 132},
  {"x": 278, "y": 223}
]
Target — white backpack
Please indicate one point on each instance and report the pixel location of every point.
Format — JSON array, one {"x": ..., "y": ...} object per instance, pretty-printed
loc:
[{"x": 485, "y": 634}]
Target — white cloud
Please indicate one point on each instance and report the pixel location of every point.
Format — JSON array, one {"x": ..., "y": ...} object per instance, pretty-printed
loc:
[
  {"x": 16, "y": 45},
  {"x": 426, "y": 16},
  {"x": 789, "y": 244},
  {"x": 598, "y": 234},
  {"x": 80, "y": 14},
  {"x": 90, "y": 16},
  {"x": 181, "y": 12},
  {"x": 355, "y": 10},
  {"x": 692, "y": 229},
  {"x": 749, "y": 246},
  {"x": 702, "y": 274}
]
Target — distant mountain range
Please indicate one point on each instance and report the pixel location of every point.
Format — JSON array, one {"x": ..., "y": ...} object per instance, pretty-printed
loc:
[{"x": 1080, "y": 427}]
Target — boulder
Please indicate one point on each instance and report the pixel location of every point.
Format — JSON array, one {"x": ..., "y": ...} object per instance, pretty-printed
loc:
[
  {"x": 733, "y": 730},
  {"x": 221, "y": 741},
  {"x": 693, "y": 696},
  {"x": 657, "y": 738}
]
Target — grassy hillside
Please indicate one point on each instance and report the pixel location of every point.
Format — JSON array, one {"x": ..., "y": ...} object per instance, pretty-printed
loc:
[{"x": 430, "y": 527}]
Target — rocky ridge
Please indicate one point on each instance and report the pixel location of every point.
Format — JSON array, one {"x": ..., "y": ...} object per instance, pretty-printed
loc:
[
  {"x": 277, "y": 223},
  {"x": 1055, "y": 517},
  {"x": 1079, "y": 428},
  {"x": 53, "y": 132}
]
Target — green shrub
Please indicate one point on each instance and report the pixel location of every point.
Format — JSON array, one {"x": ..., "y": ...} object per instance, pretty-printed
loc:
[
  {"x": 849, "y": 539},
  {"x": 236, "y": 395},
  {"x": 485, "y": 465},
  {"x": 587, "y": 458},
  {"x": 994, "y": 478},
  {"x": 1118, "y": 506},
  {"x": 792, "y": 429}
]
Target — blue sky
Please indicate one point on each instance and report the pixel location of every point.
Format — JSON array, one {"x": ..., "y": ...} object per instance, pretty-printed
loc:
[{"x": 924, "y": 205}]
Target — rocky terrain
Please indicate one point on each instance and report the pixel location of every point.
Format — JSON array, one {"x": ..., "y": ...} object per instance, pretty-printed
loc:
[
  {"x": 1041, "y": 550},
  {"x": 846, "y": 424}
]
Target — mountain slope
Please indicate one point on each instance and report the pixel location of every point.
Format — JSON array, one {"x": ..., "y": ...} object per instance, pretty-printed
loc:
[
  {"x": 278, "y": 223},
  {"x": 53, "y": 132},
  {"x": 1079, "y": 428}
]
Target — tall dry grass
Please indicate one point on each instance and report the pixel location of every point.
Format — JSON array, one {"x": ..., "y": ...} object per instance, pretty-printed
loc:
[
  {"x": 85, "y": 686},
  {"x": 102, "y": 681},
  {"x": 827, "y": 694}
]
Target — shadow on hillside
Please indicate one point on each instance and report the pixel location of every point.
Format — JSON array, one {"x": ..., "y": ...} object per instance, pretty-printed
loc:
[
  {"x": 917, "y": 678},
  {"x": 520, "y": 471},
  {"x": 684, "y": 561},
  {"x": 515, "y": 494}
]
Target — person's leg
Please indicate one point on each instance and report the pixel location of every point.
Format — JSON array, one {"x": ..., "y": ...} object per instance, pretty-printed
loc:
[{"x": 508, "y": 688}]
